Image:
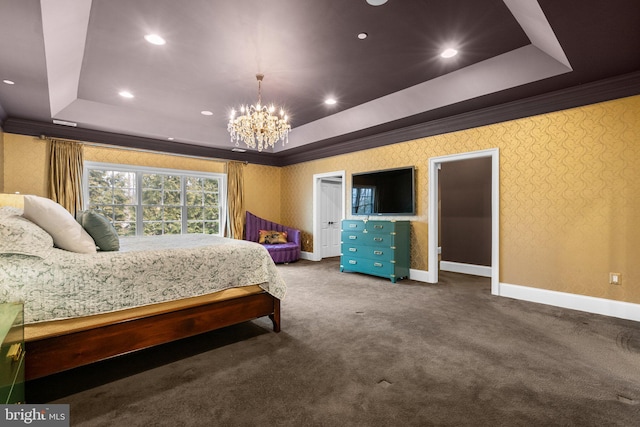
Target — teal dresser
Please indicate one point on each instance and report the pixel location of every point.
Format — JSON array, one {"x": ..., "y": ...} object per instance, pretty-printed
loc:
[{"x": 379, "y": 248}]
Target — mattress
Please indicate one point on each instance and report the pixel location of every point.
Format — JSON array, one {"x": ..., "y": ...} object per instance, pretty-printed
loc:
[{"x": 146, "y": 271}]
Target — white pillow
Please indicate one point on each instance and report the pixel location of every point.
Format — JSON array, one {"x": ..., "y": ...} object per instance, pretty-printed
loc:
[{"x": 59, "y": 223}]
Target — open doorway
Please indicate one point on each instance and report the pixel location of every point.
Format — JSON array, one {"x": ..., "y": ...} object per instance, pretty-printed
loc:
[
  {"x": 329, "y": 195},
  {"x": 464, "y": 226},
  {"x": 434, "y": 165}
]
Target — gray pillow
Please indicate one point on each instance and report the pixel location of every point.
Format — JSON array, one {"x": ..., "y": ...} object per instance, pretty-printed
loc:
[{"x": 100, "y": 228}]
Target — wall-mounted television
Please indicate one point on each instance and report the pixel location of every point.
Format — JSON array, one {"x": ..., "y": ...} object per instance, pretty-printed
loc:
[{"x": 383, "y": 192}]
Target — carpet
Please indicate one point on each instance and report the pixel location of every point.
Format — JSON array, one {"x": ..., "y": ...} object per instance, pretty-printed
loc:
[{"x": 357, "y": 350}]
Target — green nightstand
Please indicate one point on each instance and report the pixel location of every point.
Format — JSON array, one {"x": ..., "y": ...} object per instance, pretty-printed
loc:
[{"x": 11, "y": 353}]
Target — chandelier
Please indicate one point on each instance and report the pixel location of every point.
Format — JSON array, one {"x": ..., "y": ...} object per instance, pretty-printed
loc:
[{"x": 257, "y": 125}]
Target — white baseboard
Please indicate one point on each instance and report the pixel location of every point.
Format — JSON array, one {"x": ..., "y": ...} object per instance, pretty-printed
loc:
[
  {"x": 606, "y": 307},
  {"x": 419, "y": 275},
  {"x": 312, "y": 257},
  {"x": 308, "y": 256},
  {"x": 459, "y": 267}
]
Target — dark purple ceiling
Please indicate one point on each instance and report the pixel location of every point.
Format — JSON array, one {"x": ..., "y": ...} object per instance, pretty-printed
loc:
[{"x": 69, "y": 62}]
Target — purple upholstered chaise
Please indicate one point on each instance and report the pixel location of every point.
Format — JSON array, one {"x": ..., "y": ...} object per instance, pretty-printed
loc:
[{"x": 281, "y": 253}]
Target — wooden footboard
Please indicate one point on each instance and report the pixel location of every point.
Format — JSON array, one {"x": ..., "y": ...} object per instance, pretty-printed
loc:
[{"x": 59, "y": 353}]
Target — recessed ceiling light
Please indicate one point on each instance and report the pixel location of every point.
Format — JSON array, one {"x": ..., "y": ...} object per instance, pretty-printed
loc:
[
  {"x": 330, "y": 101},
  {"x": 449, "y": 53},
  {"x": 376, "y": 2},
  {"x": 171, "y": 138},
  {"x": 9, "y": 82},
  {"x": 155, "y": 39},
  {"x": 125, "y": 94},
  {"x": 64, "y": 123},
  {"x": 206, "y": 113},
  {"x": 363, "y": 35}
]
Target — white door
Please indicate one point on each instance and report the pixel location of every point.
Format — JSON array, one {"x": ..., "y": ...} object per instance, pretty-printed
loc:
[{"x": 330, "y": 217}]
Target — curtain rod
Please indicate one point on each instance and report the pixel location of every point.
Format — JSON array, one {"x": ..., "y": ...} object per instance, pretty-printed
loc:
[{"x": 140, "y": 150}]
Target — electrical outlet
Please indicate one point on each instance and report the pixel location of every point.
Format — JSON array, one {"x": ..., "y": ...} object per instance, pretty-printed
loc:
[{"x": 615, "y": 278}]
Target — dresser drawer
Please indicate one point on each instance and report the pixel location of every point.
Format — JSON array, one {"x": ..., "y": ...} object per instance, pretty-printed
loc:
[
  {"x": 368, "y": 226},
  {"x": 369, "y": 266},
  {"x": 367, "y": 239},
  {"x": 353, "y": 225},
  {"x": 385, "y": 227},
  {"x": 370, "y": 252}
]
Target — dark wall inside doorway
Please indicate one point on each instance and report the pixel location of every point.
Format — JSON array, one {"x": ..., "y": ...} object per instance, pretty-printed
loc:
[{"x": 465, "y": 216}]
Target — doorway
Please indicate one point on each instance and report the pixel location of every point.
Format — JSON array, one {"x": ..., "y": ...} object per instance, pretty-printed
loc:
[
  {"x": 464, "y": 227},
  {"x": 329, "y": 195},
  {"x": 434, "y": 165}
]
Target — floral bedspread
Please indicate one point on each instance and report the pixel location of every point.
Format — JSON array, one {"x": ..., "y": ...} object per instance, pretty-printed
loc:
[{"x": 146, "y": 270}]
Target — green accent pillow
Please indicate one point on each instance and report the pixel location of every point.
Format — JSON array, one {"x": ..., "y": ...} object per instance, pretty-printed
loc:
[{"x": 101, "y": 229}]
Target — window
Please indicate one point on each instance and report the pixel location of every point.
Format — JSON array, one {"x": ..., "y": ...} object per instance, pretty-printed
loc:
[
  {"x": 152, "y": 201},
  {"x": 363, "y": 199}
]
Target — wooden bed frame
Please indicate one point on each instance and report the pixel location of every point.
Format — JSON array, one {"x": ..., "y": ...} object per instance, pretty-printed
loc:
[{"x": 55, "y": 354}]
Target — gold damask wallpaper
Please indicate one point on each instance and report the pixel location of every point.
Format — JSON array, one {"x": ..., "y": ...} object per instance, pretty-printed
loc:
[
  {"x": 1, "y": 160},
  {"x": 26, "y": 162},
  {"x": 262, "y": 191},
  {"x": 25, "y": 165},
  {"x": 569, "y": 195},
  {"x": 156, "y": 160},
  {"x": 569, "y": 191}
]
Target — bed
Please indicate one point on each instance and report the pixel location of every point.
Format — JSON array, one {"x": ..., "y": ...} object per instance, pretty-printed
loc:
[{"x": 81, "y": 308}]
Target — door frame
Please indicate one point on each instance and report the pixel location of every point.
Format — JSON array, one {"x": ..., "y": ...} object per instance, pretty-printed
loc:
[
  {"x": 434, "y": 165},
  {"x": 316, "y": 255}
]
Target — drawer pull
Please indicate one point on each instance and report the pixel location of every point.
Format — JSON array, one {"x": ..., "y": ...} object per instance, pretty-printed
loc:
[
  {"x": 377, "y": 252},
  {"x": 353, "y": 249},
  {"x": 377, "y": 239},
  {"x": 380, "y": 227},
  {"x": 353, "y": 225},
  {"x": 353, "y": 261},
  {"x": 377, "y": 264},
  {"x": 15, "y": 351},
  {"x": 353, "y": 237}
]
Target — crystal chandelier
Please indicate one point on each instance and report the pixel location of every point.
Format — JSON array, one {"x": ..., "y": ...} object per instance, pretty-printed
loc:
[{"x": 257, "y": 126}]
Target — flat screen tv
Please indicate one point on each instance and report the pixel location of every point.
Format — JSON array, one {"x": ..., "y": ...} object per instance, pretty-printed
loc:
[{"x": 384, "y": 192}]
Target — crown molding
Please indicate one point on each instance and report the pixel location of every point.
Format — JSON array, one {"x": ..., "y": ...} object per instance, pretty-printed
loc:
[
  {"x": 591, "y": 93},
  {"x": 37, "y": 129},
  {"x": 577, "y": 96}
]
